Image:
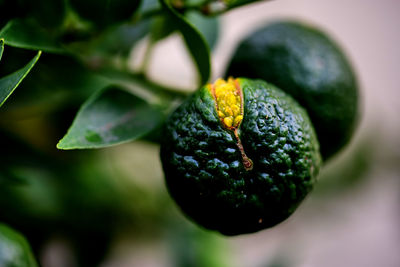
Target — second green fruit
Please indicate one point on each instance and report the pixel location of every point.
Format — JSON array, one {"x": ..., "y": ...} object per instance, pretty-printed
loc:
[{"x": 307, "y": 64}]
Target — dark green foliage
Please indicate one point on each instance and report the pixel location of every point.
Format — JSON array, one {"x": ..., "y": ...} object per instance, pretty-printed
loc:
[
  {"x": 105, "y": 12},
  {"x": 307, "y": 64},
  {"x": 203, "y": 166},
  {"x": 9, "y": 10},
  {"x": 67, "y": 195},
  {"x": 29, "y": 35},
  {"x": 49, "y": 13}
]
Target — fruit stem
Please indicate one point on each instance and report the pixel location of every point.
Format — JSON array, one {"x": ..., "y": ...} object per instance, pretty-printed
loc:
[
  {"x": 229, "y": 106},
  {"x": 247, "y": 162}
]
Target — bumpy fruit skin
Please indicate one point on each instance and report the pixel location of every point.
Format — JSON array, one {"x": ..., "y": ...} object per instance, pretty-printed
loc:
[
  {"x": 311, "y": 67},
  {"x": 203, "y": 165},
  {"x": 14, "y": 249}
]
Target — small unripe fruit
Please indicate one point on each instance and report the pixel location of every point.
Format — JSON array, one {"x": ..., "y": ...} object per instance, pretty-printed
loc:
[{"x": 241, "y": 171}]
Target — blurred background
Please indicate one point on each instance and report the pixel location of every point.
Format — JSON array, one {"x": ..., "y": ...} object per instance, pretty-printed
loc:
[{"x": 119, "y": 209}]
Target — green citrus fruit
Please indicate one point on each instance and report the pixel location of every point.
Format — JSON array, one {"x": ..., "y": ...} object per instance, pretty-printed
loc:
[
  {"x": 312, "y": 68},
  {"x": 14, "y": 249},
  {"x": 239, "y": 156}
]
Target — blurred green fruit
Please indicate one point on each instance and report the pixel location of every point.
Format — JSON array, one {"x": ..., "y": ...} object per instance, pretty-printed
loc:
[
  {"x": 306, "y": 63},
  {"x": 239, "y": 156}
]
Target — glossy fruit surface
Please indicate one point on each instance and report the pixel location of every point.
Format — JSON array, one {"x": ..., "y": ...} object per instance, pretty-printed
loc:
[
  {"x": 312, "y": 68},
  {"x": 14, "y": 249},
  {"x": 245, "y": 173}
]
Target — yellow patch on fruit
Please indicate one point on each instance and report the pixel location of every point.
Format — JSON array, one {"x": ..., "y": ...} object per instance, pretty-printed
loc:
[
  {"x": 228, "y": 99},
  {"x": 229, "y": 104}
]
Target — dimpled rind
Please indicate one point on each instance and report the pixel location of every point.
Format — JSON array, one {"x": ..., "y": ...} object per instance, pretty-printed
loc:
[
  {"x": 203, "y": 165},
  {"x": 307, "y": 64}
]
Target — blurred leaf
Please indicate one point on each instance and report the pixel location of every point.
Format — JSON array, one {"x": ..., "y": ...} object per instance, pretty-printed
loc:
[
  {"x": 111, "y": 116},
  {"x": 236, "y": 3},
  {"x": 8, "y": 178},
  {"x": 161, "y": 28},
  {"x": 9, "y": 83},
  {"x": 213, "y": 7},
  {"x": 194, "y": 41},
  {"x": 23, "y": 34},
  {"x": 148, "y": 5},
  {"x": 61, "y": 194},
  {"x": 1, "y": 47},
  {"x": 208, "y": 26},
  {"x": 49, "y": 13},
  {"x": 120, "y": 40},
  {"x": 105, "y": 12},
  {"x": 194, "y": 247},
  {"x": 66, "y": 188},
  {"x": 56, "y": 82},
  {"x": 31, "y": 179},
  {"x": 14, "y": 249},
  {"x": 38, "y": 186}
]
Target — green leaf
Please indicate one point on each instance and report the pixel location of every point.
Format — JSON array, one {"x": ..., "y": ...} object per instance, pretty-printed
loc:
[
  {"x": 1, "y": 47},
  {"x": 9, "y": 83},
  {"x": 19, "y": 33},
  {"x": 207, "y": 26},
  {"x": 195, "y": 42},
  {"x": 161, "y": 28},
  {"x": 111, "y": 116}
]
